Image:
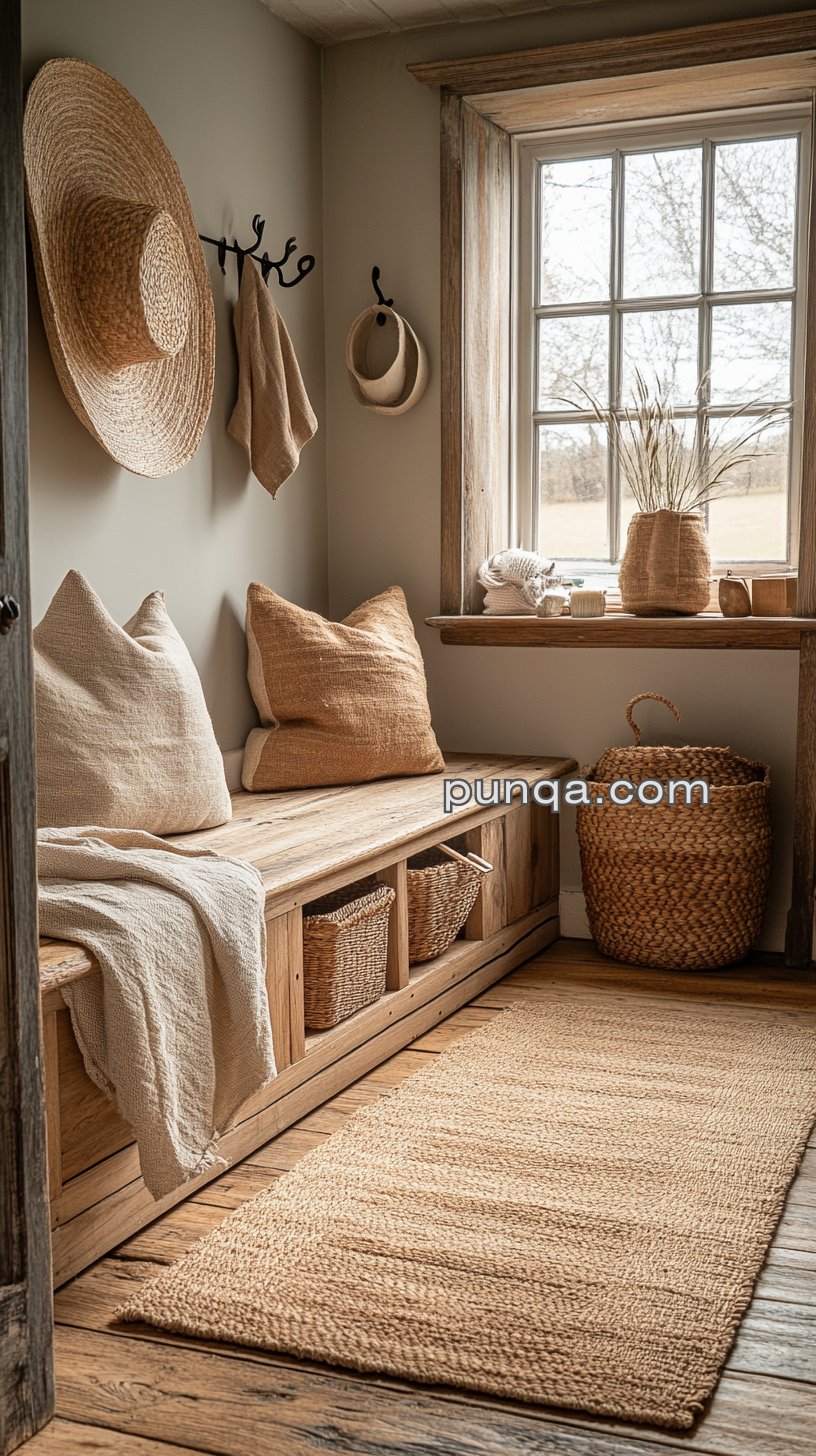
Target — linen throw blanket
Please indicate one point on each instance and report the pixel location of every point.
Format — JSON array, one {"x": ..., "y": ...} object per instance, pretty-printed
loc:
[{"x": 175, "y": 1027}]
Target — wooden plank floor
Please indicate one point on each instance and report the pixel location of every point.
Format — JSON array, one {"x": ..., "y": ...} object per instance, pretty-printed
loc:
[{"x": 133, "y": 1391}]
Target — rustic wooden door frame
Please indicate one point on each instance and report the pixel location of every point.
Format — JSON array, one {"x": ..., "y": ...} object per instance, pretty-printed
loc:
[
  {"x": 486, "y": 98},
  {"x": 26, "y": 1322}
]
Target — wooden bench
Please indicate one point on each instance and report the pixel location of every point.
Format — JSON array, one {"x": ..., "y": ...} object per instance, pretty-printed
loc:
[{"x": 305, "y": 844}]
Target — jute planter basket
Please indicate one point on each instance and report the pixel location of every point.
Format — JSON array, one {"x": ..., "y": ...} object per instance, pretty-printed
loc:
[
  {"x": 666, "y": 566},
  {"x": 345, "y": 948},
  {"x": 442, "y": 889},
  {"x": 683, "y": 885}
]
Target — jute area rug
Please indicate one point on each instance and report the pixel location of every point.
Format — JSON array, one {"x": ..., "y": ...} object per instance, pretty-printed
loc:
[{"x": 569, "y": 1207}]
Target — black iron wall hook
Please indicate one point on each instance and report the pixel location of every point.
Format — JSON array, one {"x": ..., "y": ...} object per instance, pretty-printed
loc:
[
  {"x": 387, "y": 302},
  {"x": 305, "y": 263}
]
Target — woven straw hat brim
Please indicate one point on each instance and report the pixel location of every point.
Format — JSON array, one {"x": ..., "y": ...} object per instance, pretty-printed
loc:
[
  {"x": 409, "y": 368},
  {"x": 86, "y": 137}
]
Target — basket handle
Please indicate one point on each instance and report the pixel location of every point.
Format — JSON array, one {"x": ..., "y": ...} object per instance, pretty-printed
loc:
[
  {"x": 641, "y": 697},
  {"x": 474, "y": 860}
]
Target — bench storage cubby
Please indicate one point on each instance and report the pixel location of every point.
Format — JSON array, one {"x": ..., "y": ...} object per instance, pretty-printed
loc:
[
  {"x": 307, "y": 844},
  {"x": 345, "y": 952},
  {"x": 441, "y": 895}
]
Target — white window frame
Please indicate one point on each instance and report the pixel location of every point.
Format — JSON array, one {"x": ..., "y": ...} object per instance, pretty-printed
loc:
[{"x": 588, "y": 141}]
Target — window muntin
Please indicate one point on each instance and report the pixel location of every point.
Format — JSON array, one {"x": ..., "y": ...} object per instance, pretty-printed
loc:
[{"x": 676, "y": 244}]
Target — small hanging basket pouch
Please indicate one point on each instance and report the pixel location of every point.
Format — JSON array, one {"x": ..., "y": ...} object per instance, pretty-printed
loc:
[{"x": 680, "y": 883}]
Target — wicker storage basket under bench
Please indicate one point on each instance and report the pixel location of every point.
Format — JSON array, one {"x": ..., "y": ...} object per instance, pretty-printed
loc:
[
  {"x": 345, "y": 934},
  {"x": 345, "y": 951},
  {"x": 442, "y": 887}
]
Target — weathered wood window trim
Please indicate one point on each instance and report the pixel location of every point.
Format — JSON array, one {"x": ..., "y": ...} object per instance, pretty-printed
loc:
[
  {"x": 476, "y": 279},
  {"x": 485, "y": 101}
]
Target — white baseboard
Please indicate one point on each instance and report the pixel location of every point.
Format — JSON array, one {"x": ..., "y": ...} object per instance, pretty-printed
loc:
[
  {"x": 233, "y": 763},
  {"x": 575, "y": 926},
  {"x": 574, "y": 923},
  {"x": 773, "y": 931}
]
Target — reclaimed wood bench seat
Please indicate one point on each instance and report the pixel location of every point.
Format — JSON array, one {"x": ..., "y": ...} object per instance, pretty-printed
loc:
[{"x": 304, "y": 844}]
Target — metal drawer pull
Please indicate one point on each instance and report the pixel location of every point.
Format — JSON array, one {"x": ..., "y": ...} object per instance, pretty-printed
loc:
[{"x": 9, "y": 612}]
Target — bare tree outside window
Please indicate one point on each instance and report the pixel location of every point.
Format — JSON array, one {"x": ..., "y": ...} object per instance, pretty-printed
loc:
[{"x": 677, "y": 261}]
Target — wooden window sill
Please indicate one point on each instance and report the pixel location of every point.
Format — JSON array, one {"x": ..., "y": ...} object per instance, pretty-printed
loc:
[{"x": 708, "y": 630}]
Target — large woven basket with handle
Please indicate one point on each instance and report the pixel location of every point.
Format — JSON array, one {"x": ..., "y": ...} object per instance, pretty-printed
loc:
[{"x": 678, "y": 885}]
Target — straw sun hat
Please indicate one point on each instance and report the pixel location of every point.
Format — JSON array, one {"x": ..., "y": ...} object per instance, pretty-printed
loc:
[
  {"x": 124, "y": 289},
  {"x": 387, "y": 388}
]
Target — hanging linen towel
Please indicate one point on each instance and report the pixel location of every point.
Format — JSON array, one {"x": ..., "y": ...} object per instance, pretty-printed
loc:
[
  {"x": 175, "y": 1027},
  {"x": 272, "y": 418}
]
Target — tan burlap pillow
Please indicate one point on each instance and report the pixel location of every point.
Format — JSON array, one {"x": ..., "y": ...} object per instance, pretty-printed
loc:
[
  {"x": 124, "y": 739},
  {"x": 341, "y": 702}
]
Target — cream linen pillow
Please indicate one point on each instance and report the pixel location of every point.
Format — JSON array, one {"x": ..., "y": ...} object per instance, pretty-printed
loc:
[
  {"x": 124, "y": 739},
  {"x": 341, "y": 702}
]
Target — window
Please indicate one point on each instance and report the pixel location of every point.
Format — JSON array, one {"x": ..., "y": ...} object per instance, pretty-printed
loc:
[{"x": 674, "y": 250}]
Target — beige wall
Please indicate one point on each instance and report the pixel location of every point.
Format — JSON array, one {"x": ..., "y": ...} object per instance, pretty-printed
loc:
[
  {"x": 236, "y": 95},
  {"x": 381, "y": 200}
]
